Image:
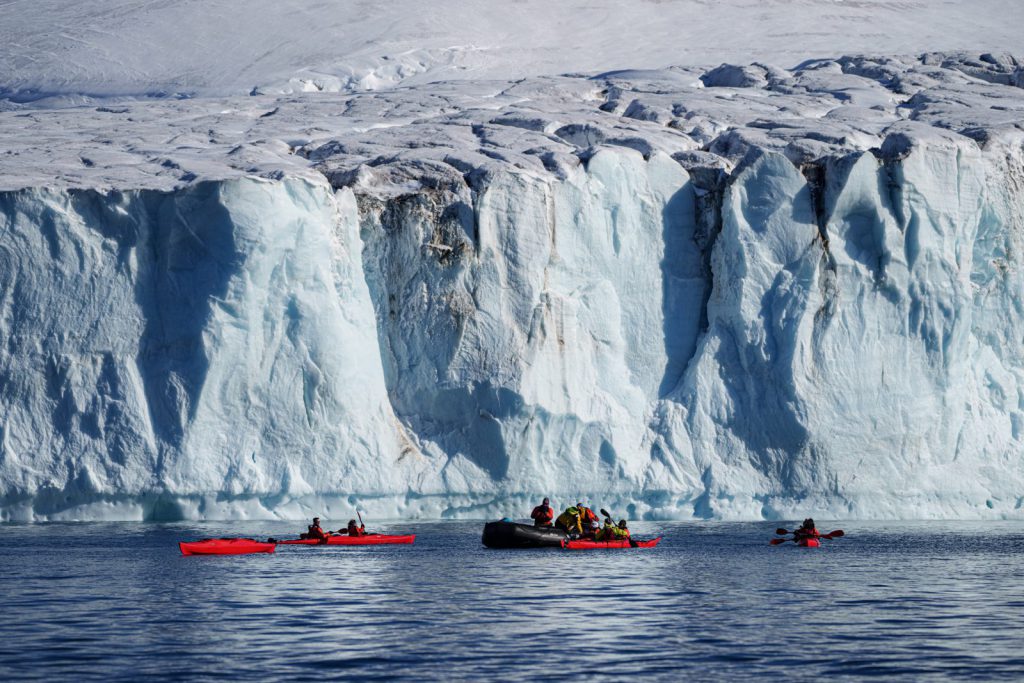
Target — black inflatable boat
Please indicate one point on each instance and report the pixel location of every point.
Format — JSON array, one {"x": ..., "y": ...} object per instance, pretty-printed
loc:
[{"x": 511, "y": 535}]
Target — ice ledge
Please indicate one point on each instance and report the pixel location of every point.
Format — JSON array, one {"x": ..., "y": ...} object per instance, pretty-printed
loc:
[{"x": 653, "y": 506}]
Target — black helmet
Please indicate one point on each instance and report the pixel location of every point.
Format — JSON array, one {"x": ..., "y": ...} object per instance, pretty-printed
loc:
[
  {"x": 316, "y": 520},
  {"x": 808, "y": 523},
  {"x": 622, "y": 524},
  {"x": 351, "y": 522}
]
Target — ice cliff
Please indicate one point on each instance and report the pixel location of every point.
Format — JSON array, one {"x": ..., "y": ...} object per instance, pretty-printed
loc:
[{"x": 740, "y": 292}]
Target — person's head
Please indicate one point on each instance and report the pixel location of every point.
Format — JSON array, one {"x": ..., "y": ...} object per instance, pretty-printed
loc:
[
  {"x": 622, "y": 524},
  {"x": 351, "y": 522},
  {"x": 546, "y": 502},
  {"x": 808, "y": 523},
  {"x": 316, "y": 521},
  {"x": 580, "y": 506}
]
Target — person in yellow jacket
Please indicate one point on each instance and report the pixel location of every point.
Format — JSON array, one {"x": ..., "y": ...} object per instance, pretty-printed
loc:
[
  {"x": 607, "y": 532},
  {"x": 613, "y": 532},
  {"x": 570, "y": 521}
]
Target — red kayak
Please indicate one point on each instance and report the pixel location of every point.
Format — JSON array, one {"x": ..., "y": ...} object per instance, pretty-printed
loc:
[
  {"x": 225, "y": 546},
  {"x": 809, "y": 543},
  {"x": 586, "y": 544},
  {"x": 368, "y": 539}
]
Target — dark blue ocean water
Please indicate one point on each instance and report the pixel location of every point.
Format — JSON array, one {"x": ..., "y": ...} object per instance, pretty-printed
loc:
[{"x": 921, "y": 601}]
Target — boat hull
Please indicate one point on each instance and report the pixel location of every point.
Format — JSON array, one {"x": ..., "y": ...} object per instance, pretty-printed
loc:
[
  {"x": 369, "y": 539},
  {"x": 523, "y": 536},
  {"x": 587, "y": 544}
]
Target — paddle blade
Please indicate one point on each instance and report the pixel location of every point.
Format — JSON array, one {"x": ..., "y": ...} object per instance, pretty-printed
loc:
[
  {"x": 781, "y": 531},
  {"x": 777, "y": 541},
  {"x": 606, "y": 513},
  {"x": 838, "y": 533}
]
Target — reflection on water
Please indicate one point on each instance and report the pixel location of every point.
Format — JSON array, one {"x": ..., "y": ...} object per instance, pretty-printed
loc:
[{"x": 713, "y": 601}]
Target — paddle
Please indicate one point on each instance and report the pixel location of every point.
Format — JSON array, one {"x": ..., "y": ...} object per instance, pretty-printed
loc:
[
  {"x": 838, "y": 533},
  {"x": 608, "y": 516}
]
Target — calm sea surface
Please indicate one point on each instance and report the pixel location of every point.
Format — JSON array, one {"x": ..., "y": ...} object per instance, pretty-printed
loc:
[{"x": 912, "y": 601}]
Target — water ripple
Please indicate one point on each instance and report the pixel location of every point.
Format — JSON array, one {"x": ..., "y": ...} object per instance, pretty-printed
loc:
[{"x": 713, "y": 602}]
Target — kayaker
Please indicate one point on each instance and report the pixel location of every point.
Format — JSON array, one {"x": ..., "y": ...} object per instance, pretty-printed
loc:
[
  {"x": 613, "y": 532},
  {"x": 570, "y": 521},
  {"x": 607, "y": 532},
  {"x": 315, "y": 532},
  {"x": 354, "y": 529},
  {"x": 806, "y": 530},
  {"x": 543, "y": 514}
]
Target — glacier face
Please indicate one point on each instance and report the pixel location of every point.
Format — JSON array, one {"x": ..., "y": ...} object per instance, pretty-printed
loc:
[
  {"x": 682, "y": 301},
  {"x": 215, "y": 339}
]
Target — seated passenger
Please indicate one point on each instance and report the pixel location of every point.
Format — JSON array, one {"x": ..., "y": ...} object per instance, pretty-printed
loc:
[
  {"x": 315, "y": 532},
  {"x": 607, "y": 532},
  {"x": 355, "y": 530},
  {"x": 806, "y": 530},
  {"x": 542, "y": 514}
]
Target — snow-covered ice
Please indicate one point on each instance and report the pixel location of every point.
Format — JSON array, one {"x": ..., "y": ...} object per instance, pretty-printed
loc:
[
  {"x": 65, "y": 52},
  {"x": 734, "y": 291}
]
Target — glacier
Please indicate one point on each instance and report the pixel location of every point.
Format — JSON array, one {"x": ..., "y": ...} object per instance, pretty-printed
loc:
[{"x": 740, "y": 293}]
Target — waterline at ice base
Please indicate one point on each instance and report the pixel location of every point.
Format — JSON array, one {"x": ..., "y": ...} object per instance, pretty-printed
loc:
[{"x": 732, "y": 293}]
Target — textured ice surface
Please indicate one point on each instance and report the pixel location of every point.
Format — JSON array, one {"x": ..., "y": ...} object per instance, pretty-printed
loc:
[
  {"x": 737, "y": 292},
  {"x": 59, "y": 52}
]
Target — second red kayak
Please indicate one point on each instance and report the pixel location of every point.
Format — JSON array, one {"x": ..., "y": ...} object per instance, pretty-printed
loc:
[
  {"x": 368, "y": 539},
  {"x": 585, "y": 544},
  {"x": 225, "y": 546},
  {"x": 809, "y": 543}
]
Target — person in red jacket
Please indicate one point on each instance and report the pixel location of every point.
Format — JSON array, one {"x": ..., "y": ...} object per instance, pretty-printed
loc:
[
  {"x": 315, "y": 532},
  {"x": 588, "y": 516},
  {"x": 355, "y": 530},
  {"x": 543, "y": 514},
  {"x": 807, "y": 530}
]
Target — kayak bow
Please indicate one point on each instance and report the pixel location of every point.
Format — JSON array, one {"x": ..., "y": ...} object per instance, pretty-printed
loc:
[{"x": 225, "y": 546}]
